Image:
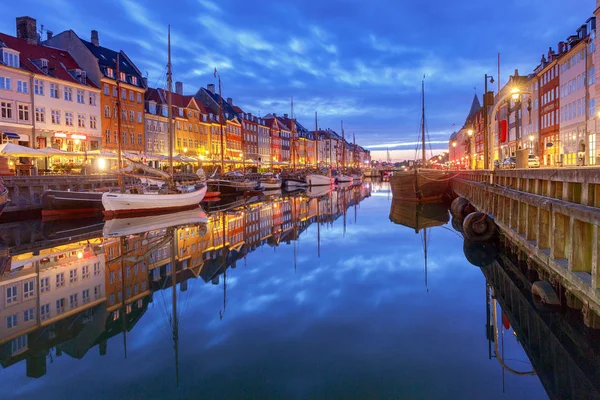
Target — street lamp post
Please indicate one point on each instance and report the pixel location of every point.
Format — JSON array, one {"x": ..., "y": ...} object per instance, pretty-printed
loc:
[
  {"x": 486, "y": 150},
  {"x": 454, "y": 151},
  {"x": 531, "y": 143}
]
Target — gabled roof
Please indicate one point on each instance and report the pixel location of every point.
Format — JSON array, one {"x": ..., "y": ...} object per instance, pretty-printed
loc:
[
  {"x": 60, "y": 62},
  {"x": 107, "y": 58},
  {"x": 475, "y": 106},
  {"x": 227, "y": 108}
]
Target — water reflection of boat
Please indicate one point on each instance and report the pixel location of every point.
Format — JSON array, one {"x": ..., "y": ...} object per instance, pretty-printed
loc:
[
  {"x": 318, "y": 191},
  {"x": 72, "y": 229},
  {"x": 130, "y": 226},
  {"x": 418, "y": 215}
]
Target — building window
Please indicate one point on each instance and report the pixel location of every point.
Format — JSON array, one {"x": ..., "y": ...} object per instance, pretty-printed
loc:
[
  {"x": 92, "y": 99},
  {"x": 40, "y": 114},
  {"x": 85, "y": 272},
  {"x": 134, "y": 81},
  {"x": 131, "y": 95},
  {"x": 11, "y": 294},
  {"x": 6, "y": 110},
  {"x": 115, "y": 92},
  {"x": 73, "y": 276},
  {"x": 5, "y": 83},
  {"x": 73, "y": 300},
  {"x": 81, "y": 120},
  {"x": 69, "y": 118},
  {"x": 107, "y": 111},
  {"x": 131, "y": 115},
  {"x": 22, "y": 87},
  {"x": 85, "y": 296},
  {"x": 10, "y": 59},
  {"x": 11, "y": 321},
  {"x": 93, "y": 122},
  {"x": 106, "y": 89},
  {"x": 38, "y": 87},
  {"x": 139, "y": 96},
  {"x": 28, "y": 290},
  {"x": 124, "y": 94},
  {"x": 28, "y": 315},
  {"x": 45, "y": 312},
  {"x": 140, "y": 139},
  {"x": 97, "y": 291},
  {"x": 55, "y": 117},
  {"x": 107, "y": 136},
  {"x": 139, "y": 114},
  {"x": 44, "y": 285},
  {"x": 110, "y": 72},
  {"x": 68, "y": 93},
  {"x": 80, "y": 96},
  {"x": 23, "y": 112},
  {"x": 122, "y": 77},
  {"x": 96, "y": 269},
  {"x": 60, "y": 306},
  {"x": 131, "y": 138},
  {"x": 60, "y": 280}
]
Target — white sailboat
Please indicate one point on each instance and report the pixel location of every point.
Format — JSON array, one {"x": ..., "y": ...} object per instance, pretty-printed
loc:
[
  {"x": 315, "y": 179},
  {"x": 133, "y": 203}
]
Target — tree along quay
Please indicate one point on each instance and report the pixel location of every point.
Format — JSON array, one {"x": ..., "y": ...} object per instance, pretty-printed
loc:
[{"x": 552, "y": 216}]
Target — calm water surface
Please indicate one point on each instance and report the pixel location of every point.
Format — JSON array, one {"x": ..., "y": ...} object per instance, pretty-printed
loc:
[{"x": 339, "y": 310}]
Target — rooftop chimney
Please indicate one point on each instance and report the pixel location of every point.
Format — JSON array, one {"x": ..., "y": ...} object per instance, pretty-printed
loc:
[
  {"x": 49, "y": 35},
  {"x": 179, "y": 88},
  {"x": 27, "y": 29},
  {"x": 211, "y": 88},
  {"x": 230, "y": 101},
  {"x": 145, "y": 82},
  {"x": 285, "y": 116},
  {"x": 95, "y": 41}
]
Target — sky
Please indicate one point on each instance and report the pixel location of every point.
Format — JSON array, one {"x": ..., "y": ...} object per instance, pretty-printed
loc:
[{"x": 356, "y": 61}]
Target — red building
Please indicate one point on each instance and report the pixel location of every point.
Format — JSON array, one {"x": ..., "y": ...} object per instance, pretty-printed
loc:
[
  {"x": 549, "y": 100},
  {"x": 275, "y": 133}
]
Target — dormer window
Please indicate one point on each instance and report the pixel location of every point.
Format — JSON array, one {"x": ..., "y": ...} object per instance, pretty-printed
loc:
[
  {"x": 180, "y": 112},
  {"x": 152, "y": 108},
  {"x": 204, "y": 117},
  {"x": 165, "y": 111},
  {"x": 134, "y": 80},
  {"x": 10, "y": 58},
  {"x": 110, "y": 72},
  {"x": 122, "y": 77}
]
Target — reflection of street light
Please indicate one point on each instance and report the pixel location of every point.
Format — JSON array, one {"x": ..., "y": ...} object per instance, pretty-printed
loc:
[{"x": 531, "y": 143}]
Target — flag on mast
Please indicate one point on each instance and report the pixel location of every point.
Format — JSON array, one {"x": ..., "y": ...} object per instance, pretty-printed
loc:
[{"x": 215, "y": 74}]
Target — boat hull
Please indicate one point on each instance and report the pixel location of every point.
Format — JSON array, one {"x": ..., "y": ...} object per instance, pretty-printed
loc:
[
  {"x": 292, "y": 184},
  {"x": 229, "y": 188},
  {"x": 270, "y": 185},
  {"x": 318, "y": 180},
  {"x": 125, "y": 204},
  {"x": 62, "y": 203},
  {"x": 419, "y": 185},
  {"x": 356, "y": 179},
  {"x": 343, "y": 178},
  {"x": 130, "y": 226}
]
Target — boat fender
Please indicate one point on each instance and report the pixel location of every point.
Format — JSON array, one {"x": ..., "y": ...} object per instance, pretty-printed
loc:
[
  {"x": 478, "y": 226},
  {"x": 461, "y": 207},
  {"x": 543, "y": 294},
  {"x": 480, "y": 254},
  {"x": 457, "y": 224}
]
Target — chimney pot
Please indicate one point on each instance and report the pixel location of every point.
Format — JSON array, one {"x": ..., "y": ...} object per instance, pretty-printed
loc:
[
  {"x": 179, "y": 88},
  {"x": 230, "y": 101},
  {"x": 27, "y": 29},
  {"x": 145, "y": 82},
  {"x": 211, "y": 88},
  {"x": 285, "y": 116},
  {"x": 95, "y": 40},
  {"x": 49, "y": 35}
]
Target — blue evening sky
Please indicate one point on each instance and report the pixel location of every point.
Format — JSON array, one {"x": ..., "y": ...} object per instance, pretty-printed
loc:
[{"x": 357, "y": 61}]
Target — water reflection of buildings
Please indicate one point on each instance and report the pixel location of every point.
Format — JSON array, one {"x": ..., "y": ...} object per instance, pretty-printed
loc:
[
  {"x": 563, "y": 353},
  {"x": 68, "y": 288}
]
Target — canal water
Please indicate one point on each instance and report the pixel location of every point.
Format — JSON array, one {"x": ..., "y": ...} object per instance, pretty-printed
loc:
[{"x": 310, "y": 298}]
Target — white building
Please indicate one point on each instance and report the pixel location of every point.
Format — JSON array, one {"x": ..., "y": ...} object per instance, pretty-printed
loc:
[{"x": 66, "y": 106}]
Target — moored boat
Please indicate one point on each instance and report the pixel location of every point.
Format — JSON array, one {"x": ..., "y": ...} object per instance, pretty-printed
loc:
[
  {"x": 64, "y": 203},
  {"x": 342, "y": 178},
  {"x": 270, "y": 184},
  {"x": 319, "y": 180},
  {"x": 129, "y": 204}
]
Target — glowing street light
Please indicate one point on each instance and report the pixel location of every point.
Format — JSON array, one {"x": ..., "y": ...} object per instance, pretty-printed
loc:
[
  {"x": 470, "y": 132},
  {"x": 101, "y": 164},
  {"x": 516, "y": 93},
  {"x": 454, "y": 144}
]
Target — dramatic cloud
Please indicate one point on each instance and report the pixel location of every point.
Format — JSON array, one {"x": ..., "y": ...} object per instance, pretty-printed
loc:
[{"x": 363, "y": 64}]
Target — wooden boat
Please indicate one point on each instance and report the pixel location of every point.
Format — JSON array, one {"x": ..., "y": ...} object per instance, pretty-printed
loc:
[
  {"x": 130, "y": 226},
  {"x": 356, "y": 178},
  {"x": 270, "y": 184},
  {"x": 417, "y": 215},
  {"x": 64, "y": 204},
  {"x": 342, "y": 178},
  {"x": 319, "y": 180},
  {"x": 173, "y": 198},
  {"x": 420, "y": 184}
]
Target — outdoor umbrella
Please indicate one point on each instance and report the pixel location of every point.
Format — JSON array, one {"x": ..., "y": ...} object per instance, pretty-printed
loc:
[{"x": 15, "y": 150}]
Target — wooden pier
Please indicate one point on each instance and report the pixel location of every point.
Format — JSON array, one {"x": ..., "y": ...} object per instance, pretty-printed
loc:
[
  {"x": 25, "y": 192},
  {"x": 552, "y": 215}
]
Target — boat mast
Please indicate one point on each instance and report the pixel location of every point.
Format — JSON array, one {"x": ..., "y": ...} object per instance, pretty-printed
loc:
[
  {"x": 343, "y": 147},
  {"x": 119, "y": 138},
  {"x": 293, "y": 126},
  {"x": 170, "y": 105},
  {"x": 221, "y": 121},
  {"x": 316, "y": 142},
  {"x": 423, "y": 121},
  {"x": 174, "y": 310},
  {"x": 353, "y": 150}
]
